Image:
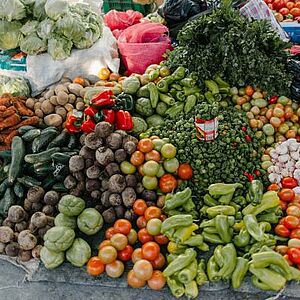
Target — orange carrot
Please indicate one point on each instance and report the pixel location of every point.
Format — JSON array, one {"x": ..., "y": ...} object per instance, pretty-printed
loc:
[
  {"x": 9, "y": 111},
  {"x": 21, "y": 108},
  {"x": 10, "y": 121},
  {"x": 9, "y": 138},
  {"x": 3, "y": 108},
  {"x": 30, "y": 121}
]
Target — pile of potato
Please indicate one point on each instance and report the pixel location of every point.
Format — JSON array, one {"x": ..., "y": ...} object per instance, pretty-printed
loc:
[
  {"x": 57, "y": 101},
  {"x": 22, "y": 232}
]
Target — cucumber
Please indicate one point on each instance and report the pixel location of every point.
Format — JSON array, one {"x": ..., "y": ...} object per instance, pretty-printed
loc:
[
  {"x": 18, "y": 153},
  {"x": 73, "y": 143},
  {"x": 47, "y": 135},
  {"x": 29, "y": 181},
  {"x": 42, "y": 156},
  {"x": 7, "y": 201},
  {"x": 19, "y": 190},
  {"x": 3, "y": 186},
  {"x": 43, "y": 170},
  {"x": 59, "y": 187},
  {"x": 5, "y": 154},
  {"x": 61, "y": 140},
  {"x": 22, "y": 130},
  {"x": 31, "y": 135},
  {"x": 48, "y": 183},
  {"x": 61, "y": 158}
]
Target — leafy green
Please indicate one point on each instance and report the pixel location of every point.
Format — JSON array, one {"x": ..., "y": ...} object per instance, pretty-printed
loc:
[
  {"x": 30, "y": 27},
  {"x": 59, "y": 48},
  {"x": 10, "y": 35},
  {"x": 56, "y": 8},
  {"x": 33, "y": 45},
  {"x": 12, "y": 10},
  {"x": 45, "y": 29},
  {"x": 241, "y": 51},
  {"x": 39, "y": 9}
]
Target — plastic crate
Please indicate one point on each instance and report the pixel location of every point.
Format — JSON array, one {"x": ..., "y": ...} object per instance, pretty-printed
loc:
[
  {"x": 122, "y": 5},
  {"x": 293, "y": 30}
]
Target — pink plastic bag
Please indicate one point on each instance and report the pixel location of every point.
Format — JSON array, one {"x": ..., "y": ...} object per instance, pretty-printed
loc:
[
  {"x": 121, "y": 20},
  {"x": 143, "y": 44}
]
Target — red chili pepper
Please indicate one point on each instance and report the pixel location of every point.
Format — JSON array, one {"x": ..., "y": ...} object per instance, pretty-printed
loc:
[
  {"x": 289, "y": 183},
  {"x": 250, "y": 177},
  {"x": 248, "y": 138},
  {"x": 90, "y": 111},
  {"x": 273, "y": 100},
  {"x": 71, "y": 125},
  {"x": 109, "y": 115},
  {"x": 104, "y": 99},
  {"x": 123, "y": 120},
  {"x": 257, "y": 173},
  {"x": 244, "y": 128},
  {"x": 246, "y": 173},
  {"x": 88, "y": 126}
]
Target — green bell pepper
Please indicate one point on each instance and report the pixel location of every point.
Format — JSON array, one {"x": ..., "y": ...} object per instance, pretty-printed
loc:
[{"x": 239, "y": 272}]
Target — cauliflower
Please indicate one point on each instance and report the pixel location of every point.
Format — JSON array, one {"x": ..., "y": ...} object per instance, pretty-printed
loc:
[{"x": 274, "y": 178}]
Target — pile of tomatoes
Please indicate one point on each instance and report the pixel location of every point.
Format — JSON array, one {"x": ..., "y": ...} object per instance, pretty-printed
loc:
[
  {"x": 285, "y": 10},
  {"x": 118, "y": 248},
  {"x": 156, "y": 161}
]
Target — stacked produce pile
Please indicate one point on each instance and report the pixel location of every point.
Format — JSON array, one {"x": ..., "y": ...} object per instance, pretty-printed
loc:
[
  {"x": 47, "y": 25},
  {"x": 284, "y": 11}
]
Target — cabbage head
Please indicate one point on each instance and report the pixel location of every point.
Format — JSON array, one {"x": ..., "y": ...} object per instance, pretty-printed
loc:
[
  {"x": 59, "y": 48},
  {"x": 39, "y": 9},
  {"x": 12, "y": 10},
  {"x": 45, "y": 29},
  {"x": 33, "y": 45},
  {"x": 71, "y": 27},
  {"x": 29, "y": 27},
  {"x": 56, "y": 8},
  {"x": 10, "y": 35},
  {"x": 15, "y": 86}
]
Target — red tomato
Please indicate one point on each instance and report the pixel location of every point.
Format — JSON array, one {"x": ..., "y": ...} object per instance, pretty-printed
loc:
[
  {"x": 136, "y": 255},
  {"x": 145, "y": 145},
  {"x": 109, "y": 233},
  {"x": 150, "y": 251},
  {"x": 153, "y": 155},
  {"x": 141, "y": 222},
  {"x": 125, "y": 254},
  {"x": 286, "y": 195},
  {"x": 297, "y": 5},
  {"x": 290, "y": 5},
  {"x": 297, "y": 196},
  {"x": 152, "y": 212},
  {"x": 295, "y": 233},
  {"x": 161, "y": 239},
  {"x": 104, "y": 243},
  {"x": 283, "y": 205},
  {"x": 139, "y": 207},
  {"x": 159, "y": 262},
  {"x": 274, "y": 187},
  {"x": 294, "y": 255},
  {"x": 278, "y": 4},
  {"x": 137, "y": 158},
  {"x": 185, "y": 171},
  {"x": 284, "y": 11},
  {"x": 282, "y": 231},
  {"x": 157, "y": 281},
  {"x": 295, "y": 12},
  {"x": 167, "y": 183},
  {"x": 95, "y": 266},
  {"x": 291, "y": 222},
  {"x": 144, "y": 236},
  {"x": 122, "y": 226},
  {"x": 286, "y": 257},
  {"x": 289, "y": 183},
  {"x": 293, "y": 210}
]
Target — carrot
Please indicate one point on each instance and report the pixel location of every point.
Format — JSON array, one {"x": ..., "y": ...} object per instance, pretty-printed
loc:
[
  {"x": 2, "y": 137},
  {"x": 9, "y": 138},
  {"x": 30, "y": 121},
  {"x": 4, "y": 147},
  {"x": 10, "y": 121},
  {"x": 9, "y": 111},
  {"x": 4, "y": 101},
  {"x": 21, "y": 108},
  {"x": 3, "y": 108}
]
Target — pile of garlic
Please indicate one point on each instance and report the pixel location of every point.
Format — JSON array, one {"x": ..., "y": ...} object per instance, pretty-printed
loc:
[{"x": 286, "y": 161}]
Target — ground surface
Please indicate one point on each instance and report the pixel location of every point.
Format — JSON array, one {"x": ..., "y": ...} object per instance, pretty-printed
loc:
[{"x": 69, "y": 283}]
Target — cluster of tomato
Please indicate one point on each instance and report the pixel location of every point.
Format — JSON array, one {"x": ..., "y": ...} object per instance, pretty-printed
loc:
[
  {"x": 289, "y": 225},
  {"x": 117, "y": 249},
  {"x": 156, "y": 162},
  {"x": 285, "y": 9}
]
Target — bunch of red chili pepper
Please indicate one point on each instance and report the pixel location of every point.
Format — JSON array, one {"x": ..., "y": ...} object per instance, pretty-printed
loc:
[{"x": 104, "y": 107}]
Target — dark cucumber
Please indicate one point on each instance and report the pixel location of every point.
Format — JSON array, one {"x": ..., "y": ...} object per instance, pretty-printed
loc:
[
  {"x": 3, "y": 186},
  {"x": 19, "y": 190},
  {"x": 73, "y": 143},
  {"x": 61, "y": 158},
  {"x": 22, "y": 130},
  {"x": 31, "y": 135},
  {"x": 7, "y": 201},
  {"x": 29, "y": 181},
  {"x": 48, "y": 182},
  {"x": 44, "y": 170},
  {"x": 59, "y": 187},
  {"x": 18, "y": 153},
  {"x": 44, "y": 139},
  {"x": 61, "y": 140},
  {"x": 41, "y": 157}
]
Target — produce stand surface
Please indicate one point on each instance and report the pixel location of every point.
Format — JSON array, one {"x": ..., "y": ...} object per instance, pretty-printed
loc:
[{"x": 33, "y": 281}]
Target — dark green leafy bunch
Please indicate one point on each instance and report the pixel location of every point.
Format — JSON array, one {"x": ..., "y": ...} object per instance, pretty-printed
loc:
[
  {"x": 240, "y": 51},
  {"x": 225, "y": 159}
]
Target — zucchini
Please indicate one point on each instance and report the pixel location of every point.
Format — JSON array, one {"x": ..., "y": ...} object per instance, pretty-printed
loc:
[
  {"x": 7, "y": 201},
  {"x": 31, "y": 135},
  {"x": 3, "y": 186},
  {"x": 18, "y": 153},
  {"x": 22, "y": 130},
  {"x": 19, "y": 190},
  {"x": 47, "y": 135},
  {"x": 59, "y": 187},
  {"x": 61, "y": 140},
  {"x": 42, "y": 156},
  {"x": 29, "y": 181},
  {"x": 73, "y": 143},
  {"x": 61, "y": 158}
]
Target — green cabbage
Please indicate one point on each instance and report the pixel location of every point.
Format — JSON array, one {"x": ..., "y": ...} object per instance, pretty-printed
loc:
[
  {"x": 29, "y": 27},
  {"x": 10, "y": 35},
  {"x": 12, "y": 10},
  {"x": 15, "y": 86},
  {"x": 59, "y": 48},
  {"x": 39, "y": 9},
  {"x": 56, "y": 8},
  {"x": 33, "y": 45},
  {"x": 45, "y": 29}
]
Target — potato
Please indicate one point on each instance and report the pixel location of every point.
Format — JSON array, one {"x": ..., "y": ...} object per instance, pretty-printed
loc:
[
  {"x": 80, "y": 106},
  {"x": 51, "y": 198},
  {"x": 65, "y": 79},
  {"x": 82, "y": 92},
  {"x": 36, "y": 207},
  {"x": 37, "y": 105},
  {"x": 27, "y": 240},
  {"x": 27, "y": 205},
  {"x": 109, "y": 216},
  {"x": 76, "y": 163},
  {"x": 72, "y": 98},
  {"x": 96, "y": 195},
  {"x": 47, "y": 107},
  {"x": 49, "y": 94},
  {"x": 69, "y": 107},
  {"x": 62, "y": 98},
  {"x": 16, "y": 214},
  {"x": 53, "y": 100},
  {"x": 61, "y": 111},
  {"x": 2, "y": 247},
  {"x": 92, "y": 141},
  {"x": 60, "y": 88},
  {"x": 75, "y": 88},
  {"x": 114, "y": 141},
  {"x": 30, "y": 103},
  {"x": 21, "y": 226},
  {"x": 39, "y": 219},
  {"x": 35, "y": 194},
  {"x": 6, "y": 234},
  {"x": 36, "y": 251},
  {"x": 42, "y": 99},
  {"x": 12, "y": 249},
  {"x": 92, "y": 172},
  {"x": 92, "y": 185},
  {"x": 8, "y": 223},
  {"x": 38, "y": 112},
  {"x": 24, "y": 255},
  {"x": 128, "y": 196},
  {"x": 53, "y": 120},
  {"x": 70, "y": 182}
]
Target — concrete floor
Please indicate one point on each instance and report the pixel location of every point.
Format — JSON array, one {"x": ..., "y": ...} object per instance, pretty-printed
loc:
[{"x": 67, "y": 283}]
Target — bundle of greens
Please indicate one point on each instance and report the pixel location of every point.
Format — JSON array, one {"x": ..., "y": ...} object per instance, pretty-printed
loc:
[{"x": 241, "y": 51}]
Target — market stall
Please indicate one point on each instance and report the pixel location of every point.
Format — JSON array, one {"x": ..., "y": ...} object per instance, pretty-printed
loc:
[{"x": 178, "y": 172}]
